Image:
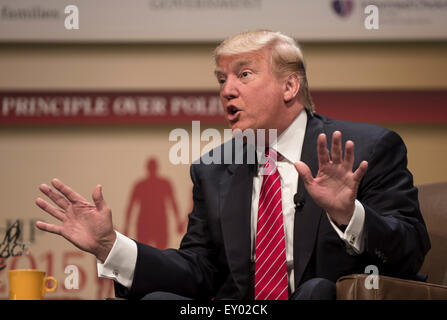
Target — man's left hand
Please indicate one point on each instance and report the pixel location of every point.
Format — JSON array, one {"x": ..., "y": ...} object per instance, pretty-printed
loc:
[{"x": 335, "y": 186}]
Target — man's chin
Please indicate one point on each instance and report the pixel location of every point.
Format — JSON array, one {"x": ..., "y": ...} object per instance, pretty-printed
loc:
[
  {"x": 238, "y": 128},
  {"x": 238, "y": 125}
]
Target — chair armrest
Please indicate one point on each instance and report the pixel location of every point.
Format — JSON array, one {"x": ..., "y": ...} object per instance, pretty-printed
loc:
[{"x": 352, "y": 287}]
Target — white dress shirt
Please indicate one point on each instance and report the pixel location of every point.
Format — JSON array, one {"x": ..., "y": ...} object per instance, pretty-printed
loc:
[
  {"x": 120, "y": 263},
  {"x": 289, "y": 145}
]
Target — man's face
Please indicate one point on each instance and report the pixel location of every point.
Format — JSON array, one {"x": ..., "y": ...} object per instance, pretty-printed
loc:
[{"x": 251, "y": 95}]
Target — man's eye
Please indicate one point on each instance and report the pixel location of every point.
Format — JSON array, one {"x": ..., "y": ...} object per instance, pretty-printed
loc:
[
  {"x": 221, "y": 81},
  {"x": 244, "y": 74}
]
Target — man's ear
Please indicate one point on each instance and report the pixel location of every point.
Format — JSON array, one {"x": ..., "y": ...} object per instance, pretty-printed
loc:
[{"x": 291, "y": 86}]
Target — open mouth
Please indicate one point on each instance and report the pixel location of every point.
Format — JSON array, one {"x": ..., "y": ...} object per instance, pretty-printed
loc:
[{"x": 232, "y": 110}]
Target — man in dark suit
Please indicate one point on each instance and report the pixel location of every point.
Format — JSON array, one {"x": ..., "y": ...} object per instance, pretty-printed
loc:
[{"x": 360, "y": 209}]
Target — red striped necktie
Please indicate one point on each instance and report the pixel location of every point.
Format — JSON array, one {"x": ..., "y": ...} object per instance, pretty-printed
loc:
[{"x": 270, "y": 264}]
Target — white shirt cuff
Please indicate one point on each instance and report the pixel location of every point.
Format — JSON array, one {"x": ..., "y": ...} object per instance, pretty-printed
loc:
[
  {"x": 353, "y": 235},
  {"x": 120, "y": 263}
]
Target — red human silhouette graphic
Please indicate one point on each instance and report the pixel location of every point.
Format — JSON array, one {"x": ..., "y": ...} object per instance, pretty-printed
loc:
[{"x": 152, "y": 194}]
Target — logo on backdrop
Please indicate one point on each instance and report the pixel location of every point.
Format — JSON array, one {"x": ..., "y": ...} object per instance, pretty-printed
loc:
[
  {"x": 343, "y": 8},
  {"x": 11, "y": 245}
]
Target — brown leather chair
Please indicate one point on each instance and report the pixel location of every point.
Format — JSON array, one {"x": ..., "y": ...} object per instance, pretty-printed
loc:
[{"x": 433, "y": 203}]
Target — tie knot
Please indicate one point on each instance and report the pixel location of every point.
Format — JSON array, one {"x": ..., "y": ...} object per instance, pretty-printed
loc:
[
  {"x": 271, "y": 156},
  {"x": 271, "y": 153}
]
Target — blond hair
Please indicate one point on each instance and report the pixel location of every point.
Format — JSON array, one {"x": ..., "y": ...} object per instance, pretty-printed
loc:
[{"x": 286, "y": 56}]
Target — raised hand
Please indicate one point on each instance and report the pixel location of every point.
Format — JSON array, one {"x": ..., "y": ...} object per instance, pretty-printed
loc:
[
  {"x": 89, "y": 227},
  {"x": 335, "y": 186}
]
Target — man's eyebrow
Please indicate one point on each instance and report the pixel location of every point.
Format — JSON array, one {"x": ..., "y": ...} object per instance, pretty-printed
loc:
[
  {"x": 218, "y": 72},
  {"x": 237, "y": 66},
  {"x": 242, "y": 63}
]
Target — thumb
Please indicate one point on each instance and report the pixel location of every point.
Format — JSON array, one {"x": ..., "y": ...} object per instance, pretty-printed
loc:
[
  {"x": 98, "y": 198},
  {"x": 304, "y": 172}
]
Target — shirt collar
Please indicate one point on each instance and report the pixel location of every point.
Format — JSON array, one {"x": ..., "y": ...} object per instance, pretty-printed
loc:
[{"x": 290, "y": 142}]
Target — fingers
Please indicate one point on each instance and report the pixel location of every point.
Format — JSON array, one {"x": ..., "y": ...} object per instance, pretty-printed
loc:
[
  {"x": 67, "y": 191},
  {"x": 58, "y": 214},
  {"x": 360, "y": 172},
  {"x": 336, "y": 151},
  {"x": 48, "y": 227},
  {"x": 304, "y": 172},
  {"x": 323, "y": 152},
  {"x": 349, "y": 155},
  {"x": 54, "y": 196},
  {"x": 347, "y": 160},
  {"x": 70, "y": 194},
  {"x": 98, "y": 198}
]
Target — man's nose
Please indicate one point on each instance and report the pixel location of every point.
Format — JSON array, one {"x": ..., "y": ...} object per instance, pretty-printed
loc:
[{"x": 229, "y": 89}]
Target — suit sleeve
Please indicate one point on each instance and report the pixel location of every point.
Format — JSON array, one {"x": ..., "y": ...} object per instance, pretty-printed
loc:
[
  {"x": 395, "y": 234},
  {"x": 188, "y": 271}
]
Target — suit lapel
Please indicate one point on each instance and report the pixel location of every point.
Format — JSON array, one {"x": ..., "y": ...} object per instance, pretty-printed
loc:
[
  {"x": 235, "y": 208},
  {"x": 307, "y": 218}
]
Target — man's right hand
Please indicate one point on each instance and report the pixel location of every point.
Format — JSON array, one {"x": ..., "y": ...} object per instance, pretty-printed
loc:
[{"x": 89, "y": 227}]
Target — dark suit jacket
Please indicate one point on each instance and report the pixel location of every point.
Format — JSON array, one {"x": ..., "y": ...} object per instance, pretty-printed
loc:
[{"x": 214, "y": 256}]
